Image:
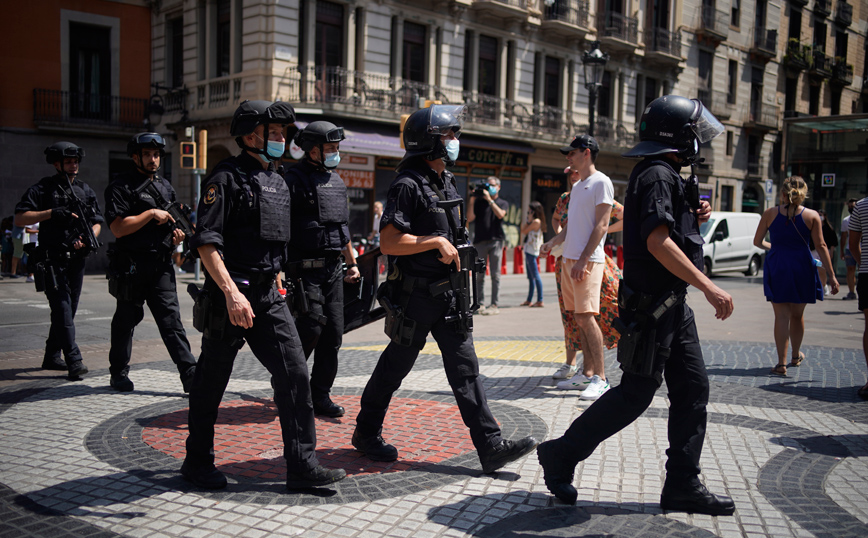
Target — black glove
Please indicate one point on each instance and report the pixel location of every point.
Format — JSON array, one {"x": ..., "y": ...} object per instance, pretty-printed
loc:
[{"x": 61, "y": 214}]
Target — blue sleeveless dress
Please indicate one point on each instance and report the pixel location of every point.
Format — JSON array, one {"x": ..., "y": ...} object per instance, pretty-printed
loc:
[{"x": 789, "y": 274}]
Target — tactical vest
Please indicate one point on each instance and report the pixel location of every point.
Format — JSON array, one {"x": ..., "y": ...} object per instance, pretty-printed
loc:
[
  {"x": 325, "y": 201},
  {"x": 261, "y": 200}
]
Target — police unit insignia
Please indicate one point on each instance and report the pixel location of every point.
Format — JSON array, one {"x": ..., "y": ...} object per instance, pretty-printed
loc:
[{"x": 210, "y": 195}]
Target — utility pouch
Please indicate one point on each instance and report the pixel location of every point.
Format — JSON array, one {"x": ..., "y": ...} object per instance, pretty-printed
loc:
[
  {"x": 399, "y": 328},
  {"x": 298, "y": 304},
  {"x": 44, "y": 277},
  {"x": 209, "y": 316},
  {"x": 638, "y": 349}
]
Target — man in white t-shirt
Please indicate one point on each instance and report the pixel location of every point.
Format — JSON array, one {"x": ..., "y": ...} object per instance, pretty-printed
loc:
[
  {"x": 590, "y": 206},
  {"x": 858, "y": 242}
]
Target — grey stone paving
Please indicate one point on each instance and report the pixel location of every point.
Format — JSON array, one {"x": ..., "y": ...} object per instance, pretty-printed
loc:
[{"x": 784, "y": 449}]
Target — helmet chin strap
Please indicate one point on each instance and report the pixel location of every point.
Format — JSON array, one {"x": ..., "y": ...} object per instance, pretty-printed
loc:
[{"x": 141, "y": 168}]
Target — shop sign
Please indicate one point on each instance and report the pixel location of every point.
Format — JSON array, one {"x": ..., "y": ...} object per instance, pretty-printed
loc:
[
  {"x": 362, "y": 179},
  {"x": 517, "y": 174},
  {"x": 489, "y": 156},
  {"x": 828, "y": 180},
  {"x": 548, "y": 183},
  {"x": 483, "y": 171}
]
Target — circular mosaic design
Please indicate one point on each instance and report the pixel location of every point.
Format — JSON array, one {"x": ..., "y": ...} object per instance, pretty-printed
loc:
[
  {"x": 248, "y": 441},
  {"x": 434, "y": 445}
]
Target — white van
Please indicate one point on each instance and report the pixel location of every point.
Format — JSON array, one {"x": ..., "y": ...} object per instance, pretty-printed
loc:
[{"x": 729, "y": 243}]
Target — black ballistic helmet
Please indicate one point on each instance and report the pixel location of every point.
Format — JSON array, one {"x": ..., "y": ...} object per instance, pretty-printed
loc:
[
  {"x": 675, "y": 124},
  {"x": 423, "y": 130},
  {"x": 318, "y": 133},
  {"x": 251, "y": 114},
  {"x": 146, "y": 140},
  {"x": 59, "y": 150}
]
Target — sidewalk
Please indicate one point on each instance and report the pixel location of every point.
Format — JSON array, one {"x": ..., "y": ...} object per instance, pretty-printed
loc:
[{"x": 82, "y": 460}]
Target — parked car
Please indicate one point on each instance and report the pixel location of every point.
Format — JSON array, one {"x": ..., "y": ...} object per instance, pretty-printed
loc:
[{"x": 729, "y": 243}]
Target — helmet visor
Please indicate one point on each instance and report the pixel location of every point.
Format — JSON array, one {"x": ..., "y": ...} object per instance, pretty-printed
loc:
[
  {"x": 335, "y": 135},
  {"x": 445, "y": 118},
  {"x": 149, "y": 139},
  {"x": 706, "y": 126}
]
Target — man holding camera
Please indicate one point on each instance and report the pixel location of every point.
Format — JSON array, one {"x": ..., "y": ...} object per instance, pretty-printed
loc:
[{"x": 488, "y": 210}]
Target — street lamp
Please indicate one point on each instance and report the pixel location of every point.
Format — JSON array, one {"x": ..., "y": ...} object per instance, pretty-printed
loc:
[{"x": 594, "y": 63}]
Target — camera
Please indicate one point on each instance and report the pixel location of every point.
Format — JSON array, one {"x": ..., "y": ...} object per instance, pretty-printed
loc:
[{"x": 480, "y": 187}]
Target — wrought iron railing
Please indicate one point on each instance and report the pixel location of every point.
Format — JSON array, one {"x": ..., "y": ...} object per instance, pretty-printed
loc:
[
  {"x": 662, "y": 40},
  {"x": 522, "y": 4},
  {"x": 765, "y": 40},
  {"x": 753, "y": 165},
  {"x": 611, "y": 24},
  {"x": 820, "y": 65},
  {"x": 714, "y": 21},
  {"x": 61, "y": 107},
  {"x": 569, "y": 11},
  {"x": 842, "y": 73},
  {"x": 760, "y": 114}
]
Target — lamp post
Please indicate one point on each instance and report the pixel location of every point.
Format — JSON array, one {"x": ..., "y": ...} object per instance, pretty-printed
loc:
[{"x": 593, "y": 63}]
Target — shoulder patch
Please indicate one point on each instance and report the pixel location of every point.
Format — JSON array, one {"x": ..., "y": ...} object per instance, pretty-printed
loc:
[{"x": 210, "y": 195}]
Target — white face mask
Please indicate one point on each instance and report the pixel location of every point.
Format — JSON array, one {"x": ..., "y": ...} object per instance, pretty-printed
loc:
[{"x": 452, "y": 148}]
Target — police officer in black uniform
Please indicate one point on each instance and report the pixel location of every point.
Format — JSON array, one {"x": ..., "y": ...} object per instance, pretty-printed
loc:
[
  {"x": 662, "y": 255},
  {"x": 320, "y": 235},
  {"x": 140, "y": 261},
  {"x": 242, "y": 235},
  {"x": 61, "y": 254},
  {"x": 416, "y": 232}
]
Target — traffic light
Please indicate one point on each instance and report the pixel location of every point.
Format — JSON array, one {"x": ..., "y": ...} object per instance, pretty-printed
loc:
[{"x": 188, "y": 155}]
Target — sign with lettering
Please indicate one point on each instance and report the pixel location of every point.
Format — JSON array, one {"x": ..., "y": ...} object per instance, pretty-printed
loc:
[
  {"x": 362, "y": 179},
  {"x": 490, "y": 156}
]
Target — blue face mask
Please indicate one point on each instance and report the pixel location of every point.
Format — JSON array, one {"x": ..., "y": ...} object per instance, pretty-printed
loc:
[
  {"x": 274, "y": 151},
  {"x": 332, "y": 160},
  {"x": 452, "y": 150},
  {"x": 492, "y": 190}
]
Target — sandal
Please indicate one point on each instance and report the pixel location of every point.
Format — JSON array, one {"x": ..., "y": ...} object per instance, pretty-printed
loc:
[
  {"x": 526, "y": 303},
  {"x": 779, "y": 370},
  {"x": 795, "y": 361},
  {"x": 538, "y": 304}
]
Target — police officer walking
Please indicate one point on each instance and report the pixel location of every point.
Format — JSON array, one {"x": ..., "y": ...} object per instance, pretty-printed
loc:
[
  {"x": 320, "y": 235},
  {"x": 68, "y": 210},
  {"x": 662, "y": 255},
  {"x": 418, "y": 235},
  {"x": 140, "y": 261},
  {"x": 242, "y": 235}
]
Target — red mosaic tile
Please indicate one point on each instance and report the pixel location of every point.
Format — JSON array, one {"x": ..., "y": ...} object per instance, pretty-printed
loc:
[{"x": 248, "y": 441}]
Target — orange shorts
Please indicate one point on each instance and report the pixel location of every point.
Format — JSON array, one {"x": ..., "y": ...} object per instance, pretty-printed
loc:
[{"x": 582, "y": 297}]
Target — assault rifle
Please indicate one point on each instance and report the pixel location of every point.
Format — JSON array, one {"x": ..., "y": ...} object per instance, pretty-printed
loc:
[
  {"x": 179, "y": 212},
  {"x": 81, "y": 229},
  {"x": 464, "y": 281}
]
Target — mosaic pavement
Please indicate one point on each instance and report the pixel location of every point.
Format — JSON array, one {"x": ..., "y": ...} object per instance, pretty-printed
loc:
[{"x": 79, "y": 459}]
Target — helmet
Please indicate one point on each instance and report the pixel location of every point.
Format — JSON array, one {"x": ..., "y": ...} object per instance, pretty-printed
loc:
[
  {"x": 675, "y": 124},
  {"x": 251, "y": 114},
  {"x": 423, "y": 130},
  {"x": 318, "y": 133},
  {"x": 58, "y": 151},
  {"x": 146, "y": 140}
]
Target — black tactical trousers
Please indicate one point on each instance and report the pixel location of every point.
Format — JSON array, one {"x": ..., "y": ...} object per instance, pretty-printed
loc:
[
  {"x": 459, "y": 361},
  {"x": 63, "y": 304},
  {"x": 687, "y": 382},
  {"x": 323, "y": 340},
  {"x": 274, "y": 341},
  {"x": 160, "y": 292}
]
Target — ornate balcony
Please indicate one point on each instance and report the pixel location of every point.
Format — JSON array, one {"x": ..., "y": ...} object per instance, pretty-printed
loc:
[
  {"x": 713, "y": 25},
  {"x": 663, "y": 46},
  {"x": 820, "y": 65},
  {"x": 842, "y": 73},
  {"x": 765, "y": 42},
  {"x": 822, "y": 8},
  {"x": 618, "y": 32},
  {"x": 844, "y": 14},
  {"x": 57, "y": 108},
  {"x": 797, "y": 56},
  {"x": 502, "y": 9},
  {"x": 566, "y": 18},
  {"x": 761, "y": 117}
]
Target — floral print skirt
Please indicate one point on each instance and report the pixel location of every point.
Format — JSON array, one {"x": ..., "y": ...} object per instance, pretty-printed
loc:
[{"x": 608, "y": 308}]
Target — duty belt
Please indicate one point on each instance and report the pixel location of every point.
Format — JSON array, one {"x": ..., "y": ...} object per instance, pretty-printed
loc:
[
  {"x": 313, "y": 263},
  {"x": 434, "y": 286}
]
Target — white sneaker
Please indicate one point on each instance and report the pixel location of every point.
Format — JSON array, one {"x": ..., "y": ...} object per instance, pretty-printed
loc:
[
  {"x": 491, "y": 310},
  {"x": 577, "y": 382},
  {"x": 566, "y": 371},
  {"x": 596, "y": 388}
]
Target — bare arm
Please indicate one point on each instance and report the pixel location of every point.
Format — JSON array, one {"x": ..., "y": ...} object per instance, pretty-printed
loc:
[
  {"x": 394, "y": 242},
  {"x": 820, "y": 246},
  {"x": 471, "y": 216},
  {"x": 26, "y": 218},
  {"x": 240, "y": 311},
  {"x": 845, "y": 243},
  {"x": 530, "y": 226},
  {"x": 353, "y": 273},
  {"x": 618, "y": 216},
  {"x": 122, "y": 226},
  {"x": 760, "y": 235},
  {"x": 664, "y": 249}
]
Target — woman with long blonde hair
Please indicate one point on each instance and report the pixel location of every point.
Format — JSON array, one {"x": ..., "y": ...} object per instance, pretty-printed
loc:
[{"x": 790, "y": 279}]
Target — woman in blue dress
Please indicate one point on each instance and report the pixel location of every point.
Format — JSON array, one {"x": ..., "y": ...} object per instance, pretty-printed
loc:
[{"x": 790, "y": 278}]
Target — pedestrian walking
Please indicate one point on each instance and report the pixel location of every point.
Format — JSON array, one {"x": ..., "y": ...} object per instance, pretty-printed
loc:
[{"x": 533, "y": 229}]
